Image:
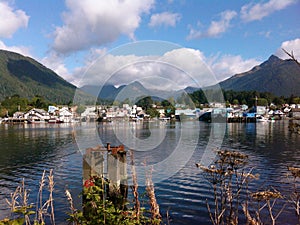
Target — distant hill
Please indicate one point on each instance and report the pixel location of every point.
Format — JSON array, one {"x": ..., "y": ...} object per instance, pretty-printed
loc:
[
  {"x": 277, "y": 76},
  {"x": 110, "y": 92},
  {"x": 24, "y": 76},
  {"x": 280, "y": 77}
]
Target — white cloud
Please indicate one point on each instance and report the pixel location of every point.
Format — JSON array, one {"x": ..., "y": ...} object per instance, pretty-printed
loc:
[
  {"x": 252, "y": 12},
  {"x": 290, "y": 46},
  {"x": 11, "y": 20},
  {"x": 92, "y": 23},
  {"x": 18, "y": 49},
  {"x": 56, "y": 63},
  {"x": 194, "y": 34},
  {"x": 216, "y": 27},
  {"x": 226, "y": 66},
  {"x": 175, "y": 69},
  {"x": 164, "y": 19}
]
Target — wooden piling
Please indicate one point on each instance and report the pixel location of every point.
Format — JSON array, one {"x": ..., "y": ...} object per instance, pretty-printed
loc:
[{"x": 114, "y": 157}]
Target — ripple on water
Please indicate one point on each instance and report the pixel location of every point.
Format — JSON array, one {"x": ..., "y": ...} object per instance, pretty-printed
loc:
[{"x": 27, "y": 151}]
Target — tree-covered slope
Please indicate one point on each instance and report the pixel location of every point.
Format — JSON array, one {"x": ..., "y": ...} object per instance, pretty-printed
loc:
[
  {"x": 27, "y": 78},
  {"x": 280, "y": 77}
]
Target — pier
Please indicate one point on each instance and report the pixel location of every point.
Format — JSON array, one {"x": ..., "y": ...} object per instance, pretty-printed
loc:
[{"x": 107, "y": 162}]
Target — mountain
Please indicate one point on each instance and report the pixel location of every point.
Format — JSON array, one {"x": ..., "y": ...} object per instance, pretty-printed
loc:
[
  {"x": 24, "y": 76},
  {"x": 110, "y": 92},
  {"x": 133, "y": 90},
  {"x": 277, "y": 76}
]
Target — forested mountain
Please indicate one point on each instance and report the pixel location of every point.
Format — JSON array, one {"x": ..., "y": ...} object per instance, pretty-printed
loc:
[
  {"x": 24, "y": 76},
  {"x": 277, "y": 76}
]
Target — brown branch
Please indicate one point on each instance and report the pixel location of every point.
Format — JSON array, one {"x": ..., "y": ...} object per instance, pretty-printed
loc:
[{"x": 291, "y": 55}]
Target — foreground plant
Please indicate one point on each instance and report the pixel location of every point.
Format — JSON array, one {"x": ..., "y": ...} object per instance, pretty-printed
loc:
[
  {"x": 231, "y": 194},
  {"x": 294, "y": 198},
  {"x": 100, "y": 209},
  {"x": 97, "y": 208},
  {"x": 228, "y": 181},
  {"x": 266, "y": 200},
  {"x": 22, "y": 212}
]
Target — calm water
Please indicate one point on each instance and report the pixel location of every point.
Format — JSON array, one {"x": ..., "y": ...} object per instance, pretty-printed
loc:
[{"x": 172, "y": 149}]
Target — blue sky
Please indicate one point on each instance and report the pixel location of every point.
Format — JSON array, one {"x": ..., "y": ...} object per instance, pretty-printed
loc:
[{"x": 229, "y": 36}]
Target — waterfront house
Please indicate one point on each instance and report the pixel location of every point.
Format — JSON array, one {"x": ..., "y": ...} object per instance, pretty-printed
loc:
[
  {"x": 187, "y": 113},
  {"x": 35, "y": 115},
  {"x": 261, "y": 110},
  {"x": 295, "y": 113},
  {"x": 18, "y": 115},
  {"x": 65, "y": 115},
  {"x": 90, "y": 113},
  {"x": 52, "y": 110}
]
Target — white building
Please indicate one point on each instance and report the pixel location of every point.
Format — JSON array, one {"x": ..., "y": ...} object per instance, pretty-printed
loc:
[
  {"x": 65, "y": 115},
  {"x": 36, "y": 115}
]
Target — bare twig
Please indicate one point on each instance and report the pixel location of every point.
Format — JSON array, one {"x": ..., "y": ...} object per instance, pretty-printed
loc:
[{"x": 291, "y": 55}]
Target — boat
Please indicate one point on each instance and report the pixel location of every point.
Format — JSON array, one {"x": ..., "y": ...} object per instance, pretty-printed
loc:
[{"x": 261, "y": 119}]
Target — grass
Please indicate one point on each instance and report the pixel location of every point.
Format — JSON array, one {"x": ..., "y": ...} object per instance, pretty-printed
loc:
[{"x": 233, "y": 203}]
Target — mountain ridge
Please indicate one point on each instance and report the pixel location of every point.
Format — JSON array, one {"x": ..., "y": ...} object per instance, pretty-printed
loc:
[
  {"x": 275, "y": 75},
  {"x": 26, "y": 77}
]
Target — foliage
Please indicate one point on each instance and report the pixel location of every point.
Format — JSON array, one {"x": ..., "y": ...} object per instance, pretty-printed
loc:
[
  {"x": 169, "y": 107},
  {"x": 13, "y": 104},
  {"x": 80, "y": 109},
  {"x": 145, "y": 102},
  {"x": 22, "y": 212},
  {"x": 98, "y": 208},
  {"x": 40, "y": 103},
  {"x": 246, "y": 97},
  {"x": 227, "y": 184},
  {"x": 16, "y": 103},
  {"x": 27, "y": 78},
  {"x": 152, "y": 112},
  {"x": 185, "y": 99},
  {"x": 231, "y": 195},
  {"x": 279, "y": 77}
]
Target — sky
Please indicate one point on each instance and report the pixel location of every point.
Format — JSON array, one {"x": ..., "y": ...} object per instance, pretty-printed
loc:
[{"x": 173, "y": 43}]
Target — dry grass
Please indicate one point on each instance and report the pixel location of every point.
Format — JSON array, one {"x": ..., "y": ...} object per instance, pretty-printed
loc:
[
  {"x": 21, "y": 209},
  {"x": 229, "y": 179},
  {"x": 134, "y": 187},
  {"x": 154, "y": 207}
]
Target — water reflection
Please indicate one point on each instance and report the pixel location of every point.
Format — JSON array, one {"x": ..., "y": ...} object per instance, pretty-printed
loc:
[{"x": 26, "y": 150}]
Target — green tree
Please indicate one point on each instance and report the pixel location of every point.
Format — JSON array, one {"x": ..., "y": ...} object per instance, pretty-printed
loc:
[
  {"x": 169, "y": 110},
  {"x": 279, "y": 101},
  {"x": 127, "y": 101},
  {"x": 152, "y": 112},
  {"x": 165, "y": 103},
  {"x": 80, "y": 109},
  {"x": 13, "y": 104},
  {"x": 235, "y": 102},
  {"x": 262, "y": 102},
  {"x": 39, "y": 102},
  {"x": 145, "y": 102}
]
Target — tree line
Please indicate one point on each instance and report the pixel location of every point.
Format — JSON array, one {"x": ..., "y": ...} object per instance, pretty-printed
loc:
[
  {"x": 197, "y": 99},
  {"x": 249, "y": 98}
]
